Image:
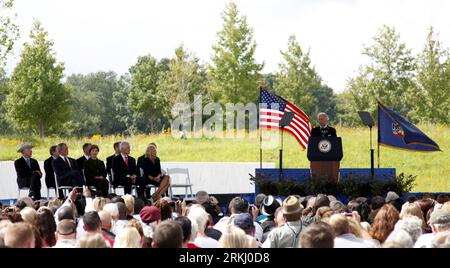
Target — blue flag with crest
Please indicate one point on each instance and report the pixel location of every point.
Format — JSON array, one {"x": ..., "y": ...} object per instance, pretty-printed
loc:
[{"x": 396, "y": 131}]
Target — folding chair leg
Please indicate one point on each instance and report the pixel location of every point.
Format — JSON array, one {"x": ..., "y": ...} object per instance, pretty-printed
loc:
[{"x": 48, "y": 194}]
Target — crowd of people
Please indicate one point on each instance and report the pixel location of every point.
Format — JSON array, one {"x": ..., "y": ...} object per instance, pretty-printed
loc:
[
  {"x": 91, "y": 216},
  {"x": 268, "y": 222}
]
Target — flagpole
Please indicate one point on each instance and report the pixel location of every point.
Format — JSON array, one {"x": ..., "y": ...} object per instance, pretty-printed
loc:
[
  {"x": 260, "y": 131},
  {"x": 378, "y": 139},
  {"x": 260, "y": 147},
  {"x": 378, "y": 155}
]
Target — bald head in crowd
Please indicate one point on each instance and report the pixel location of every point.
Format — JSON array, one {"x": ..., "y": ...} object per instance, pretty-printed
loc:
[
  {"x": 106, "y": 220},
  {"x": 67, "y": 229},
  {"x": 65, "y": 213},
  {"x": 19, "y": 235}
]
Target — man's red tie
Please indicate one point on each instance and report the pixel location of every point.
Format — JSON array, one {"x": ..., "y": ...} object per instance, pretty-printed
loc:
[{"x": 126, "y": 160}]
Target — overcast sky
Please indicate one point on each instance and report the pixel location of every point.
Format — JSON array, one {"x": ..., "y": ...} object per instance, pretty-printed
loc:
[{"x": 93, "y": 35}]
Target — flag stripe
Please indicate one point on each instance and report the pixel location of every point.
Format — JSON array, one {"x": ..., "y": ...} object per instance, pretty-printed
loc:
[
  {"x": 274, "y": 109},
  {"x": 303, "y": 126}
]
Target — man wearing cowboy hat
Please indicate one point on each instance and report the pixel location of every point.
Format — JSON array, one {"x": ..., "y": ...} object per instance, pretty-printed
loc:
[
  {"x": 287, "y": 235},
  {"x": 28, "y": 171}
]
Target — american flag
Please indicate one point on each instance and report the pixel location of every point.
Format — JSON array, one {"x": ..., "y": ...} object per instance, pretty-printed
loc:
[{"x": 272, "y": 109}]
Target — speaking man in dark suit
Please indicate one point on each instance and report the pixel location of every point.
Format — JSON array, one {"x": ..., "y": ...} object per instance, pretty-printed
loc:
[
  {"x": 323, "y": 130},
  {"x": 110, "y": 158},
  {"x": 28, "y": 171},
  {"x": 66, "y": 168},
  {"x": 48, "y": 167},
  {"x": 124, "y": 168},
  {"x": 85, "y": 157}
]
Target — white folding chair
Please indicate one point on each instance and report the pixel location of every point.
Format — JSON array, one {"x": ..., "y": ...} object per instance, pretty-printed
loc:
[
  {"x": 147, "y": 186},
  {"x": 179, "y": 178},
  {"x": 65, "y": 189},
  {"x": 21, "y": 189},
  {"x": 48, "y": 192},
  {"x": 133, "y": 187}
]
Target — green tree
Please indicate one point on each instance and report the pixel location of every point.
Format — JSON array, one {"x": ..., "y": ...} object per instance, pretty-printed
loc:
[
  {"x": 297, "y": 79},
  {"x": 9, "y": 30},
  {"x": 4, "y": 88},
  {"x": 269, "y": 80},
  {"x": 123, "y": 116},
  {"x": 345, "y": 110},
  {"x": 93, "y": 110},
  {"x": 9, "y": 33},
  {"x": 234, "y": 71},
  {"x": 324, "y": 101},
  {"x": 389, "y": 77},
  {"x": 433, "y": 83},
  {"x": 185, "y": 79},
  {"x": 38, "y": 102},
  {"x": 146, "y": 101}
]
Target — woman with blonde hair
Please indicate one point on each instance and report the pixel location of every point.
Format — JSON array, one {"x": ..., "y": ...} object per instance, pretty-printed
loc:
[
  {"x": 29, "y": 215},
  {"x": 100, "y": 202},
  {"x": 92, "y": 240},
  {"x": 129, "y": 204},
  {"x": 234, "y": 237},
  {"x": 151, "y": 172},
  {"x": 128, "y": 237},
  {"x": 413, "y": 209},
  {"x": 138, "y": 226}
]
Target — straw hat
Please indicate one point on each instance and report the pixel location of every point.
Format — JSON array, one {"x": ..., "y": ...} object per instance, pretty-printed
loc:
[{"x": 291, "y": 205}]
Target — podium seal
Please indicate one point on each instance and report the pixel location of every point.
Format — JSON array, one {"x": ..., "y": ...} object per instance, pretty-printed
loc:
[{"x": 324, "y": 146}]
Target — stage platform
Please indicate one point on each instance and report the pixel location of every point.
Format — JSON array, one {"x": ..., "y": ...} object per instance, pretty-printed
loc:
[{"x": 224, "y": 178}]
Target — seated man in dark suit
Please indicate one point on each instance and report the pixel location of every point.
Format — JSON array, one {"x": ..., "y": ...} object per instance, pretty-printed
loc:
[
  {"x": 28, "y": 171},
  {"x": 82, "y": 159},
  {"x": 48, "y": 167},
  {"x": 323, "y": 130},
  {"x": 124, "y": 169},
  {"x": 110, "y": 158},
  {"x": 66, "y": 168}
]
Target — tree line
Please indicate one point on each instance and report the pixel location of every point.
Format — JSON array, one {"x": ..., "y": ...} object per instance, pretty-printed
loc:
[{"x": 38, "y": 99}]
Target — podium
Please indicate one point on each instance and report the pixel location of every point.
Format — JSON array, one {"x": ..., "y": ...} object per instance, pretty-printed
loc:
[{"x": 325, "y": 155}]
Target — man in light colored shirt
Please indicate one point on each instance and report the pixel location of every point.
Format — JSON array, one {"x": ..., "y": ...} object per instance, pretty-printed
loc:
[
  {"x": 440, "y": 223},
  {"x": 287, "y": 235},
  {"x": 344, "y": 237},
  {"x": 66, "y": 234}
]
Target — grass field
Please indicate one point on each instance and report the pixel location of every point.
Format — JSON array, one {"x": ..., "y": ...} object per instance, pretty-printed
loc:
[{"x": 432, "y": 169}]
